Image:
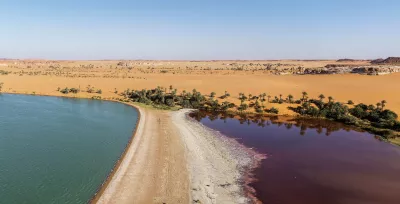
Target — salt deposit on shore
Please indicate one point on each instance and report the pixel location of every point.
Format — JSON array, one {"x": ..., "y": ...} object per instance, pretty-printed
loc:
[{"x": 217, "y": 165}]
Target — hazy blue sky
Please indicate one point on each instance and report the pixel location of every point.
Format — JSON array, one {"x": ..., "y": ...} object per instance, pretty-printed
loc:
[{"x": 201, "y": 29}]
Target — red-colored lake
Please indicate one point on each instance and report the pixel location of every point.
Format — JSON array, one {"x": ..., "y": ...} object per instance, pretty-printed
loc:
[{"x": 316, "y": 161}]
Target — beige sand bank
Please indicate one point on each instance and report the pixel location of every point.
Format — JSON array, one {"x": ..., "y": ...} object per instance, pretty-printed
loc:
[
  {"x": 154, "y": 167},
  {"x": 175, "y": 159}
]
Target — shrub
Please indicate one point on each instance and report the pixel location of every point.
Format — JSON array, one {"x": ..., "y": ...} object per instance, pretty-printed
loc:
[
  {"x": 358, "y": 112},
  {"x": 273, "y": 110},
  {"x": 170, "y": 102},
  {"x": 312, "y": 111},
  {"x": 74, "y": 90},
  {"x": 388, "y": 115},
  {"x": 65, "y": 91}
]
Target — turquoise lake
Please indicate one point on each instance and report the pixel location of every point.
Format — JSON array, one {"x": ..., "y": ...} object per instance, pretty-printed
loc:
[{"x": 59, "y": 150}]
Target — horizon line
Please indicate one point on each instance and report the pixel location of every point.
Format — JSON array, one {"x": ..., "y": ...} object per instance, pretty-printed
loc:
[{"x": 183, "y": 60}]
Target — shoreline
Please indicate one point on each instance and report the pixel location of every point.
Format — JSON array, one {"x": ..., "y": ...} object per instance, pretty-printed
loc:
[
  {"x": 239, "y": 179},
  {"x": 110, "y": 177},
  {"x": 220, "y": 167},
  {"x": 246, "y": 176}
]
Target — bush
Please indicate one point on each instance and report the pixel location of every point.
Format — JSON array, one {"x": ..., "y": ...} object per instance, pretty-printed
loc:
[
  {"x": 373, "y": 116},
  {"x": 358, "y": 112},
  {"x": 313, "y": 111},
  {"x": 318, "y": 103},
  {"x": 65, "y": 91},
  {"x": 258, "y": 110},
  {"x": 348, "y": 119},
  {"x": 170, "y": 102},
  {"x": 388, "y": 115},
  {"x": 74, "y": 90},
  {"x": 273, "y": 110}
]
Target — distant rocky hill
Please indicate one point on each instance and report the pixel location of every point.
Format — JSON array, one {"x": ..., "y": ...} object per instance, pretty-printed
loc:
[
  {"x": 390, "y": 60},
  {"x": 338, "y": 69},
  {"x": 346, "y": 60}
]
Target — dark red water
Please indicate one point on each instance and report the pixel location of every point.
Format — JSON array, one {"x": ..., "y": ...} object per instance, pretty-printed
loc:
[{"x": 316, "y": 162}]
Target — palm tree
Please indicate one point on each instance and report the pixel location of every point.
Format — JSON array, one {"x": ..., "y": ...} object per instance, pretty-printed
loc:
[
  {"x": 290, "y": 98},
  {"x": 280, "y": 97},
  {"x": 263, "y": 96},
  {"x": 305, "y": 94},
  {"x": 321, "y": 97},
  {"x": 330, "y": 99},
  {"x": 262, "y": 103},
  {"x": 170, "y": 88},
  {"x": 269, "y": 98},
  {"x": 383, "y": 102},
  {"x": 173, "y": 93},
  {"x": 378, "y": 105},
  {"x": 212, "y": 94}
]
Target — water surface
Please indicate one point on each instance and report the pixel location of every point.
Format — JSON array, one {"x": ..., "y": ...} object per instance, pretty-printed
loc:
[
  {"x": 59, "y": 150},
  {"x": 316, "y": 161}
]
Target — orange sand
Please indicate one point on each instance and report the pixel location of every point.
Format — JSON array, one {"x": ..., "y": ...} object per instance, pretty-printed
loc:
[{"x": 146, "y": 74}]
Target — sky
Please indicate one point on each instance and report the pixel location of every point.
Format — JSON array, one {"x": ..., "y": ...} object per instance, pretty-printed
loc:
[{"x": 199, "y": 30}]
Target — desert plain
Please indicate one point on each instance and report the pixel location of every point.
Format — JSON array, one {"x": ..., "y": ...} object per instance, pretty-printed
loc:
[
  {"x": 166, "y": 142},
  {"x": 273, "y": 77}
]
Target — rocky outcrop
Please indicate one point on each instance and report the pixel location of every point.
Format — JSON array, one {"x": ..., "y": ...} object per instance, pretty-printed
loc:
[
  {"x": 376, "y": 70},
  {"x": 377, "y": 61},
  {"x": 346, "y": 60},
  {"x": 388, "y": 61},
  {"x": 368, "y": 70}
]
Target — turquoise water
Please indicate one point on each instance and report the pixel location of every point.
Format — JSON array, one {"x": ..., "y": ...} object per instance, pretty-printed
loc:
[{"x": 58, "y": 150}]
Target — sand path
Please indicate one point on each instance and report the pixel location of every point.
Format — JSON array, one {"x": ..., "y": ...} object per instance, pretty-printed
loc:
[{"x": 154, "y": 168}]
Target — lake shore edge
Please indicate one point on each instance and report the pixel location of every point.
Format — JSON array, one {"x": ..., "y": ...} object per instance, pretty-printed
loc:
[
  {"x": 220, "y": 168},
  {"x": 122, "y": 159},
  {"x": 111, "y": 176},
  {"x": 244, "y": 193}
]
